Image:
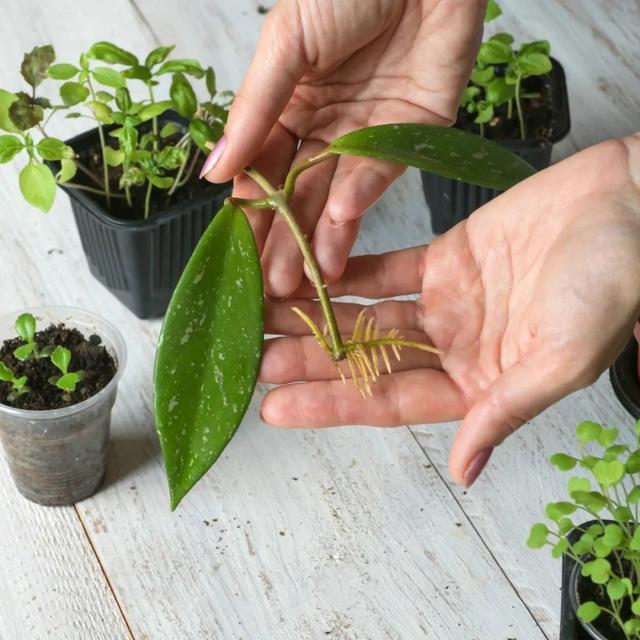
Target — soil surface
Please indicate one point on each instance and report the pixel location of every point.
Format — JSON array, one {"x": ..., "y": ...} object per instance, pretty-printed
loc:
[
  {"x": 587, "y": 590},
  {"x": 539, "y": 115},
  {"x": 87, "y": 355}
]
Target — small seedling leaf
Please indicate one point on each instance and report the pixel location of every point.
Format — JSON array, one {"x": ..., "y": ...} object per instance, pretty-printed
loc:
[
  {"x": 24, "y": 351},
  {"x": 6, "y": 375},
  {"x": 10, "y": 146},
  {"x": 588, "y": 611},
  {"x": 26, "y": 326},
  {"x": 61, "y": 358},
  {"x": 109, "y": 77},
  {"x": 68, "y": 382},
  {"x": 112, "y": 54},
  {"x": 563, "y": 462},
  {"x": 209, "y": 351}
]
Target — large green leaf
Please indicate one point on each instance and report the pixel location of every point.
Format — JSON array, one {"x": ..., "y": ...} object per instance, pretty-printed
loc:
[
  {"x": 38, "y": 186},
  {"x": 209, "y": 351},
  {"x": 445, "y": 151}
]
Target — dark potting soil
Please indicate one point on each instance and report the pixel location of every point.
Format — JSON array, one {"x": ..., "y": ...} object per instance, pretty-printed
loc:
[
  {"x": 587, "y": 590},
  {"x": 87, "y": 355},
  {"x": 538, "y": 114}
]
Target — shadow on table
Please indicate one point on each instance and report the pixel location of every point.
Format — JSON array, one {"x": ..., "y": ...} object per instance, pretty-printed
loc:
[{"x": 130, "y": 451}]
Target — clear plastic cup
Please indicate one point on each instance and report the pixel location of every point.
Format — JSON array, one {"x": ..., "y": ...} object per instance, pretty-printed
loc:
[{"x": 58, "y": 457}]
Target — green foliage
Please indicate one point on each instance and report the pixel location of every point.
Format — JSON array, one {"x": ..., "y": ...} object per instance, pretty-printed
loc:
[
  {"x": 97, "y": 87},
  {"x": 609, "y": 549},
  {"x": 18, "y": 385},
  {"x": 498, "y": 73},
  {"x": 68, "y": 380}
]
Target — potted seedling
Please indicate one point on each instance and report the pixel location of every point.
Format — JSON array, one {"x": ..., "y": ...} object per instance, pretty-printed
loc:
[
  {"x": 601, "y": 557},
  {"x": 211, "y": 342},
  {"x": 57, "y": 388},
  {"x": 625, "y": 376},
  {"x": 135, "y": 194},
  {"x": 516, "y": 96}
]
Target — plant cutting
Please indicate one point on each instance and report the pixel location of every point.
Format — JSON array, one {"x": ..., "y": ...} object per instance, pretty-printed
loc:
[
  {"x": 131, "y": 179},
  {"x": 515, "y": 96},
  {"x": 56, "y": 401},
  {"x": 211, "y": 342},
  {"x": 601, "y": 557},
  {"x": 625, "y": 375}
]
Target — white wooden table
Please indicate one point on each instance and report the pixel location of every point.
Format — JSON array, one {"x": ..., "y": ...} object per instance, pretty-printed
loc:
[{"x": 347, "y": 533}]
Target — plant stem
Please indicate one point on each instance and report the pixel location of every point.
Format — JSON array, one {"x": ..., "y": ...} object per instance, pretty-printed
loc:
[
  {"x": 88, "y": 173},
  {"x": 261, "y": 181},
  {"x": 510, "y": 108},
  {"x": 280, "y": 203},
  {"x": 105, "y": 166},
  {"x": 290, "y": 182},
  {"x": 523, "y": 131},
  {"x": 82, "y": 187},
  {"x": 482, "y": 129},
  {"x": 154, "y": 121},
  {"x": 176, "y": 182},
  {"x": 147, "y": 200}
]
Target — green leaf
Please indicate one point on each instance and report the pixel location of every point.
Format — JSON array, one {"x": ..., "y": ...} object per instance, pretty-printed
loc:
[
  {"x": 101, "y": 111},
  {"x": 564, "y": 526},
  {"x": 201, "y": 133},
  {"x": 25, "y": 326},
  {"x": 559, "y": 548},
  {"x": 108, "y": 52},
  {"x": 499, "y": 92},
  {"x": 132, "y": 177},
  {"x": 188, "y": 66},
  {"x": 588, "y": 431},
  {"x": 482, "y": 76},
  {"x": 447, "y": 152},
  {"x": 73, "y": 93},
  {"x": 210, "y": 79},
  {"x": 209, "y": 351},
  {"x": 493, "y": 11},
  {"x": 6, "y": 375},
  {"x": 182, "y": 95},
  {"x": 615, "y": 451},
  {"x": 63, "y": 71},
  {"x": 622, "y": 514},
  {"x": 495, "y": 52},
  {"x": 608, "y": 473},
  {"x": 588, "y": 611},
  {"x": 584, "y": 544},
  {"x": 10, "y": 146},
  {"x": 104, "y": 96},
  {"x": 634, "y": 495},
  {"x": 158, "y": 55},
  {"x": 154, "y": 110},
  {"x": 25, "y": 112},
  {"x": 591, "y": 499},
  {"x": 24, "y": 351},
  {"x": 633, "y": 462},
  {"x": 169, "y": 129},
  {"x": 563, "y": 462},
  {"x": 68, "y": 170},
  {"x": 534, "y": 64},
  {"x": 137, "y": 73},
  {"x": 6, "y": 100},
  {"x": 38, "y": 186},
  {"x": 123, "y": 99},
  {"x": 68, "y": 381},
  {"x": 538, "y": 536},
  {"x": 109, "y": 77},
  {"x": 577, "y": 483},
  {"x": 114, "y": 157},
  {"x": 539, "y": 46},
  {"x": 485, "y": 113},
  {"x": 54, "y": 149},
  {"x": 607, "y": 437},
  {"x": 556, "y": 510},
  {"x": 35, "y": 64},
  {"x": 635, "y": 607},
  {"x": 599, "y": 570},
  {"x": 61, "y": 358},
  {"x": 159, "y": 181},
  {"x": 632, "y": 627},
  {"x": 505, "y": 38},
  {"x": 613, "y": 535}
]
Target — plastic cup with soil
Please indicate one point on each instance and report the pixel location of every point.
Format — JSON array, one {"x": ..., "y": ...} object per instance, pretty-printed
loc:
[{"x": 55, "y": 441}]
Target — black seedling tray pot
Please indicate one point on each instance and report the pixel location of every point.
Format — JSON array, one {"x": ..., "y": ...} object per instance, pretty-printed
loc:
[
  {"x": 140, "y": 261},
  {"x": 451, "y": 201},
  {"x": 624, "y": 379}
]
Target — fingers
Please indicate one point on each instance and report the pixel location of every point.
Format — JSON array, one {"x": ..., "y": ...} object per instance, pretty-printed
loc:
[
  {"x": 286, "y": 360},
  {"x": 390, "y": 274},
  {"x": 277, "y": 66},
  {"x": 390, "y": 314},
  {"x": 273, "y": 162},
  {"x": 357, "y": 184},
  {"x": 407, "y": 397},
  {"x": 520, "y": 393},
  {"x": 282, "y": 259}
]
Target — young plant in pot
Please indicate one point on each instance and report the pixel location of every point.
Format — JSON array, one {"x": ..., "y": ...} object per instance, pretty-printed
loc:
[
  {"x": 625, "y": 375},
  {"x": 137, "y": 201},
  {"x": 517, "y": 97},
  {"x": 601, "y": 556},
  {"x": 211, "y": 342},
  {"x": 58, "y": 385}
]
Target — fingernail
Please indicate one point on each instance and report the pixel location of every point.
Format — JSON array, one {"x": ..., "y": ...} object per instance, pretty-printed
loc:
[
  {"x": 213, "y": 157},
  {"x": 476, "y": 466}
]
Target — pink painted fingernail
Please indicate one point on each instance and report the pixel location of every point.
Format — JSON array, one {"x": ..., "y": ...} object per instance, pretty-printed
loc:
[
  {"x": 476, "y": 466},
  {"x": 214, "y": 156}
]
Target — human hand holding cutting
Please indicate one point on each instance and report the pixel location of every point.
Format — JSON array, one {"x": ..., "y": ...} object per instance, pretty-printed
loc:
[{"x": 530, "y": 299}]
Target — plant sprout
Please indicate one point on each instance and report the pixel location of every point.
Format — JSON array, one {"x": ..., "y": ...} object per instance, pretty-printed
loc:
[
  {"x": 61, "y": 358},
  {"x": 26, "y": 328},
  {"x": 608, "y": 551},
  {"x": 18, "y": 385}
]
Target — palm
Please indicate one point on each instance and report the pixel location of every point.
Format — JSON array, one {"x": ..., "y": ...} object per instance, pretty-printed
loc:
[{"x": 530, "y": 299}]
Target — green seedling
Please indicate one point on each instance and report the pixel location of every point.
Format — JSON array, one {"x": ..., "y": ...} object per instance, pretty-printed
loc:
[
  {"x": 68, "y": 381},
  {"x": 137, "y": 146},
  {"x": 608, "y": 551},
  {"x": 18, "y": 385},
  {"x": 26, "y": 329}
]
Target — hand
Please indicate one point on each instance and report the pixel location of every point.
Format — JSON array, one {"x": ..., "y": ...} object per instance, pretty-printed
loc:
[
  {"x": 323, "y": 69},
  {"x": 530, "y": 299}
]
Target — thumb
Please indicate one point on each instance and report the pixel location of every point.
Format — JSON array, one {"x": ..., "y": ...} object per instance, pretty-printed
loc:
[
  {"x": 278, "y": 65},
  {"x": 520, "y": 393}
]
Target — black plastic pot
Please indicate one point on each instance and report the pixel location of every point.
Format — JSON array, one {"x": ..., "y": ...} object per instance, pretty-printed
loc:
[
  {"x": 625, "y": 380},
  {"x": 140, "y": 261},
  {"x": 451, "y": 201}
]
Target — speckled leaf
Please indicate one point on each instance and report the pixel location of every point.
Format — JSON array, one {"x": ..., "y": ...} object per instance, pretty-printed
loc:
[
  {"x": 445, "y": 151},
  {"x": 209, "y": 351}
]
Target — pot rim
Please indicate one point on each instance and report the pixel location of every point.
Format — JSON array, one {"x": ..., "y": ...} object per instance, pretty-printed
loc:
[{"x": 105, "y": 329}]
